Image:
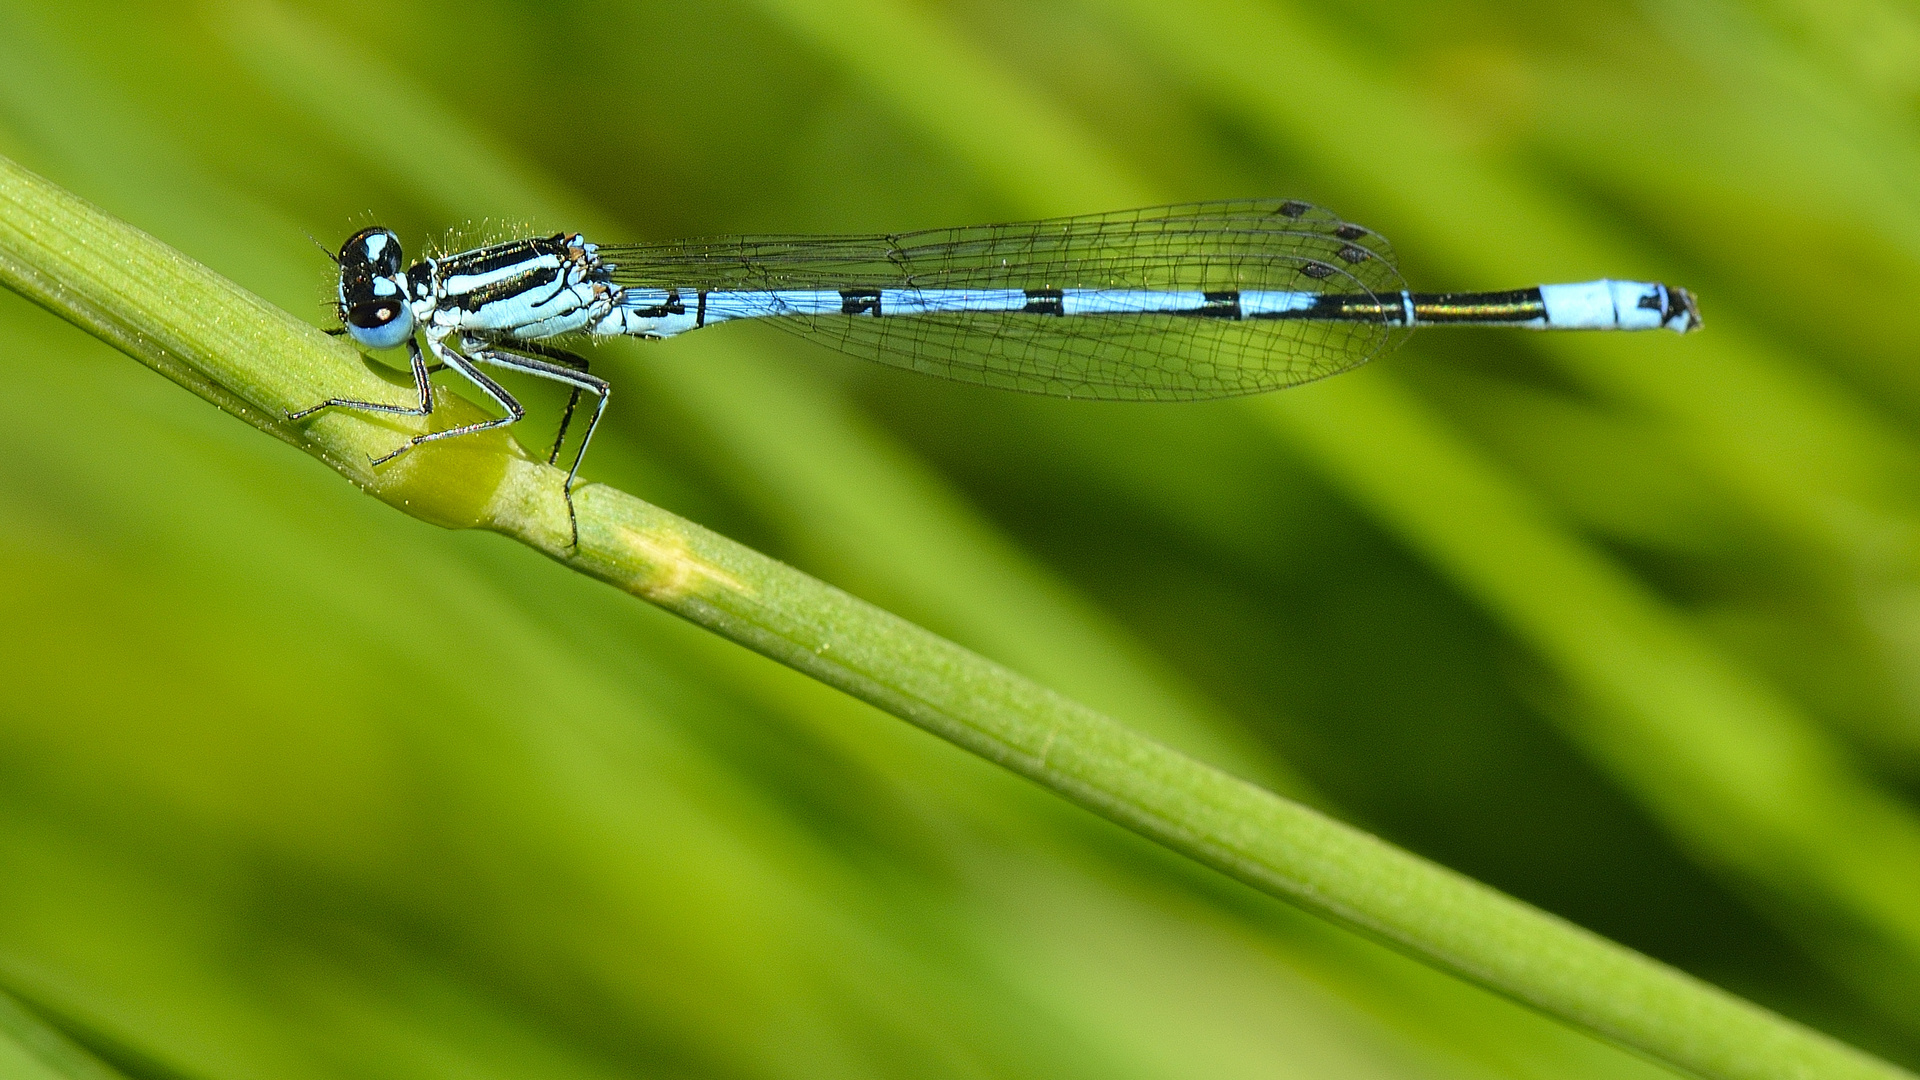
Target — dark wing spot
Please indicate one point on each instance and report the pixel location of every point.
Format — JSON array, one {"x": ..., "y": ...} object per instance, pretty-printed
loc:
[
  {"x": 1352, "y": 254},
  {"x": 1293, "y": 208},
  {"x": 1349, "y": 232},
  {"x": 1317, "y": 271}
]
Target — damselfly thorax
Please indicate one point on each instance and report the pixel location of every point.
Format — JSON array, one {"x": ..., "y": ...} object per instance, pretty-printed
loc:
[{"x": 1204, "y": 300}]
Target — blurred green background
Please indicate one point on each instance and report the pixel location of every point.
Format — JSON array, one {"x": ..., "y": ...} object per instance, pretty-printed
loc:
[{"x": 293, "y": 786}]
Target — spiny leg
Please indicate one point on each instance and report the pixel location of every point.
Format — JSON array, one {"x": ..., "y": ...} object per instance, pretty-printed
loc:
[
  {"x": 566, "y": 418},
  {"x": 420, "y": 372},
  {"x": 479, "y": 378},
  {"x": 508, "y": 356},
  {"x": 561, "y": 356}
]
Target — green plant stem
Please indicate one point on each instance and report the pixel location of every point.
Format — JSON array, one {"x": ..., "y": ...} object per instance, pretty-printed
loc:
[{"x": 259, "y": 363}]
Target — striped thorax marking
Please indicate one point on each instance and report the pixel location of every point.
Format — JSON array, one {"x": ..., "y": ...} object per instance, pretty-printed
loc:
[{"x": 528, "y": 289}]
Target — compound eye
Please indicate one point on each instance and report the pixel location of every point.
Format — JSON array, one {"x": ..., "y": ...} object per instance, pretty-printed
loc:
[
  {"x": 380, "y": 324},
  {"x": 375, "y": 249},
  {"x": 373, "y": 316}
]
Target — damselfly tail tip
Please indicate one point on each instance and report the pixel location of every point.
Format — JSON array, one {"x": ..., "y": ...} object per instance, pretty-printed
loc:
[{"x": 1684, "y": 310}]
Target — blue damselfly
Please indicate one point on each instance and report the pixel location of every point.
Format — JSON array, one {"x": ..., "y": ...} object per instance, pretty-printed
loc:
[{"x": 1203, "y": 300}]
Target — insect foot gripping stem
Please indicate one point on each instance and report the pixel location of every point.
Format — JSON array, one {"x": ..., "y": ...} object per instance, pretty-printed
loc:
[{"x": 453, "y": 483}]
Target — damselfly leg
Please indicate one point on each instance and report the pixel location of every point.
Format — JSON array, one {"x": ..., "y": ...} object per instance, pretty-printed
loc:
[
  {"x": 540, "y": 361},
  {"x": 464, "y": 365},
  {"x": 420, "y": 383},
  {"x": 577, "y": 363}
]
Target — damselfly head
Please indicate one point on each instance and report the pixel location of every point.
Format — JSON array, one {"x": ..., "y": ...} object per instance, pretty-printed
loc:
[{"x": 373, "y": 293}]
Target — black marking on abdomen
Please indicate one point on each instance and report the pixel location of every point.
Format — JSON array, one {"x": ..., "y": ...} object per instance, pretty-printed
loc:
[
  {"x": 860, "y": 301},
  {"x": 1045, "y": 302},
  {"x": 1486, "y": 308},
  {"x": 1221, "y": 305},
  {"x": 1512, "y": 306},
  {"x": 700, "y": 313}
]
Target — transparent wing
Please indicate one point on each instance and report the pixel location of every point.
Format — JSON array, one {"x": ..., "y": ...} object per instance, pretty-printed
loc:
[{"x": 1278, "y": 245}]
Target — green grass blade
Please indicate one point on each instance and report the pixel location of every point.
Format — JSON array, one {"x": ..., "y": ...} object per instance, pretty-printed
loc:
[
  {"x": 256, "y": 362},
  {"x": 32, "y": 1050},
  {"x": 1746, "y": 779},
  {"x": 1757, "y": 786}
]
